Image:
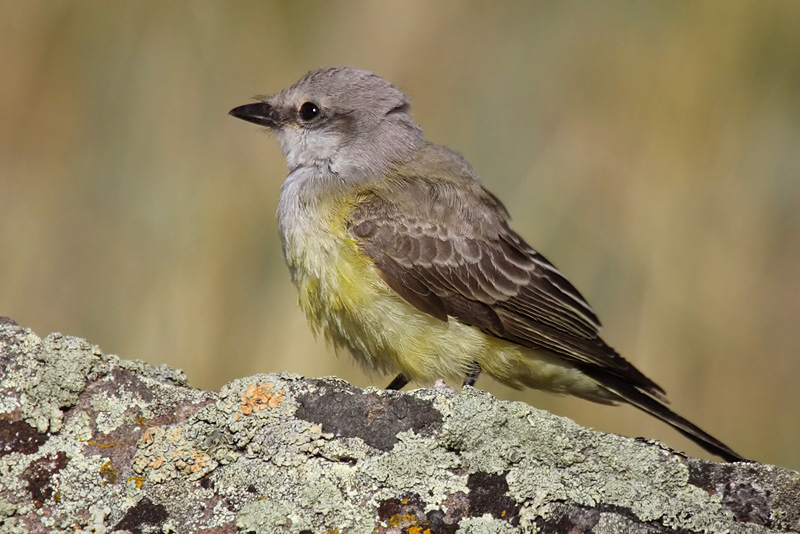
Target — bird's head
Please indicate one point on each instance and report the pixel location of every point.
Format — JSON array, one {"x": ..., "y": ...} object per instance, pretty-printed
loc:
[{"x": 342, "y": 120}]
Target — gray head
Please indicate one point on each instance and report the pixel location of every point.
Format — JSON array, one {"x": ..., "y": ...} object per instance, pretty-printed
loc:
[{"x": 341, "y": 120}]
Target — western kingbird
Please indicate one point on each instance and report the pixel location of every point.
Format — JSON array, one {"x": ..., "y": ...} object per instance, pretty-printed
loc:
[{"x": 401, "y": 255}]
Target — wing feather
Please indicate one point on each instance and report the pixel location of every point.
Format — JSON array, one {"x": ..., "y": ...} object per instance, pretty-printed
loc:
[{"x": 477, "y": 270}]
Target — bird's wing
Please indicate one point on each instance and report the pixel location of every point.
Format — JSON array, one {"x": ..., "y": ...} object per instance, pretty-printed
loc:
[{"x": 460, "y": 259}]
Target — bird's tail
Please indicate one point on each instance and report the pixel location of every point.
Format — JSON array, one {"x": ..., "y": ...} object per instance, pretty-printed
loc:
[{"x": 648, "y": 403}]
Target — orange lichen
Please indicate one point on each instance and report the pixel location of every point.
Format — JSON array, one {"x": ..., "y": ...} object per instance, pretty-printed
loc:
[
  {"x": 401, "y": 519},
  {"x": 259, "y": 397},
  {"x": 140, "y": 420},
  {"x": 175, "y": 434},
  {"x": 103, "y": 445},
  {"x": 151, "y": 434},
  {"x": 137, "y": 480},
  {"x": 195, "y": 462}
]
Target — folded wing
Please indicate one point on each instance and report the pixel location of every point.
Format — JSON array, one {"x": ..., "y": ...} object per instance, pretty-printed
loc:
[{"x": 464, "y": 262}]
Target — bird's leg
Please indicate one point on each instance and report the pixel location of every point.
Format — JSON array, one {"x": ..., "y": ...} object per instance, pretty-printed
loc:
[
  {"x": 398, "y": 383},
  {"x": 473, "y": 374}
]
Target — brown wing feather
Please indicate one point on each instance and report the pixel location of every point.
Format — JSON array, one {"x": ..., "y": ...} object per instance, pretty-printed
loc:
[{"x": 477, "y": 270}]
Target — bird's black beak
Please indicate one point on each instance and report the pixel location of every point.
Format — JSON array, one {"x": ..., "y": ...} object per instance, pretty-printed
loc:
[{"x": 259, "y": 113}]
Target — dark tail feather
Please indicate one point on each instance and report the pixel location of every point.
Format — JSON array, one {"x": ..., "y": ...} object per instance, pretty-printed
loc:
[{"x": 656, "y": 408}]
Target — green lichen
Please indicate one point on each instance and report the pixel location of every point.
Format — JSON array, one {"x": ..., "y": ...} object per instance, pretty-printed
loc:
[
  {"x": 416, "y": 465},
  {"x": 485, "y": 525},
  {"x": 58, "y": 376}
]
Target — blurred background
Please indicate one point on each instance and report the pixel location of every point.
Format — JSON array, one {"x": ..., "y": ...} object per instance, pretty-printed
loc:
[{"x": 651, "y": 150}]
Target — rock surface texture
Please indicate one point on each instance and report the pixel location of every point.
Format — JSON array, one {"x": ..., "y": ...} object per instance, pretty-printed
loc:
[{"x": 93, "y": 443}]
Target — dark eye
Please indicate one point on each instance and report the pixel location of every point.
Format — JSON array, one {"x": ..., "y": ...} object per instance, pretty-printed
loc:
[{"x": 308, "y": 111}]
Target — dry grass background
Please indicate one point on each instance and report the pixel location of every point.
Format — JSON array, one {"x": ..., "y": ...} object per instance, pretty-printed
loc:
[{"x": 651, "y": 150}]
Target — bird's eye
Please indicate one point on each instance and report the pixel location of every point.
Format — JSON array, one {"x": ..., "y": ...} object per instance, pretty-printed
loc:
[{"x": 308, "y": 111}]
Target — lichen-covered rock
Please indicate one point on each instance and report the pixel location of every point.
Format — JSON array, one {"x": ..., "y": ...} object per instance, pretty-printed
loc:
[{"x": 92, "y": 443}]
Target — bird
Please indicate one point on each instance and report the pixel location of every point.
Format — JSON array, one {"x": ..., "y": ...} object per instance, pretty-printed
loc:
[{"x": 402, "y": 256}]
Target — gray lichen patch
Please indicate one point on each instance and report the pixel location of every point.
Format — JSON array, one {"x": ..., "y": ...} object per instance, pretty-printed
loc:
[
  {"x": 416, "y": 465},
  {"x": 60, "y": 381},
  {"x": 164, "y": 453},
  {"x": 251, "y": 418},
  {"x": 110, "y": 412},
  {"x": 485, "y": 525},
  {"x": 47, "y": 375},
  {"x": 257, "y": 416},
  {"x": 332, "y": 493}
]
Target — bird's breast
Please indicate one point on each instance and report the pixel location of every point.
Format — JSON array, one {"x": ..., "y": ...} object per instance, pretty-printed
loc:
[{"x": 337, "y": 285}]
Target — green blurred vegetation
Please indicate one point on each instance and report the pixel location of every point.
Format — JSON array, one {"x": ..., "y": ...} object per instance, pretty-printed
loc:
[{"x": 651, "y": 150}]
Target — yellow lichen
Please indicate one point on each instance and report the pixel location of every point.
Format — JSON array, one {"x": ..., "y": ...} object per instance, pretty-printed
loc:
[{"x": 108, "y": 473}]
